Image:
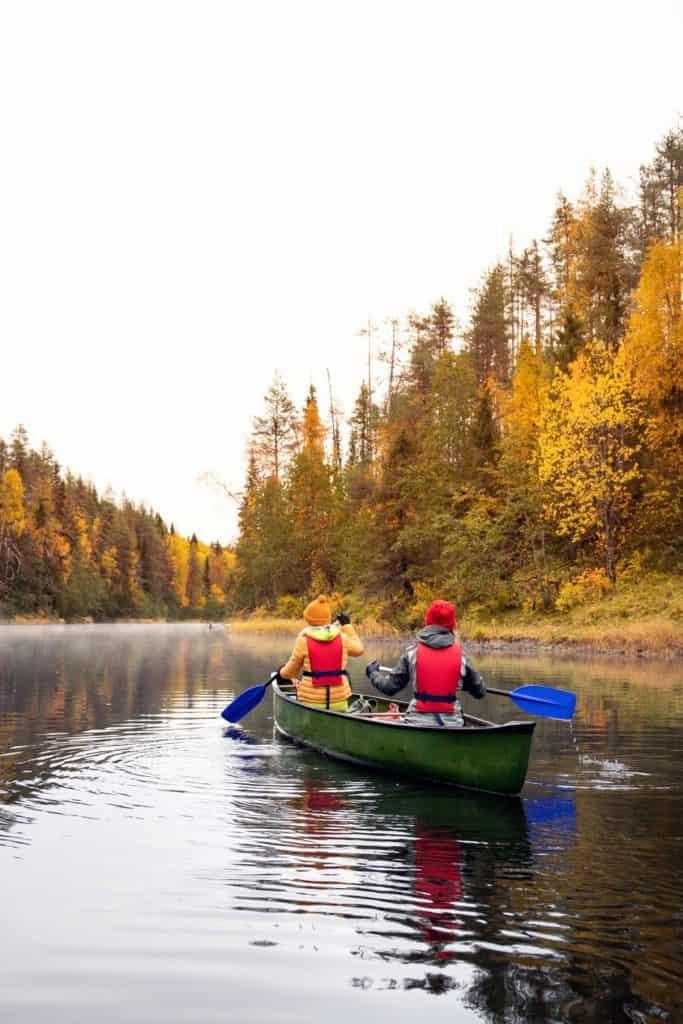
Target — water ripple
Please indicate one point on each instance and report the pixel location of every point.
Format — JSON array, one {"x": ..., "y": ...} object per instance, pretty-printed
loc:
[{"x": 143, "y": 839}]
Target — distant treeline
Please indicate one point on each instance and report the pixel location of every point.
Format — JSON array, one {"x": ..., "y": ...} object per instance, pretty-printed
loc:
[
  {"x": 527, "y": 460},
  {"x": 66, "y": 551}
]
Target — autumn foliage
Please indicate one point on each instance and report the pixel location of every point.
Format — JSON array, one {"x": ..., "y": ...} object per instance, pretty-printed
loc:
[
  {"x": 65, "y": 551},
  {"x": 529, "y": 459},
  {"x": 526, "y": 460}
]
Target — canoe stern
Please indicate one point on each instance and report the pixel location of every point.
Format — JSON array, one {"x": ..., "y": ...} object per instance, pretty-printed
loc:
[{"x": 489, "y": 757}]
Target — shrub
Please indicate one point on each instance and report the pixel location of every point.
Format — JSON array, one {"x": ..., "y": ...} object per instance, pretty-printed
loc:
[
  {"x": 591, "y": 585},
  {"x": 289, "y": 607}
]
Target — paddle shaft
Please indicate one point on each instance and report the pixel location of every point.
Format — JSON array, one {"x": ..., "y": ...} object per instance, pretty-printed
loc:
[{"x": 513, "y": 695}]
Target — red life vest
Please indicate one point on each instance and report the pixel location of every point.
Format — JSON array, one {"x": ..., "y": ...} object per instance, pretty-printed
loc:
[
  {"x": 326, "y": 659},
  {"x": 438, "y": 678}
]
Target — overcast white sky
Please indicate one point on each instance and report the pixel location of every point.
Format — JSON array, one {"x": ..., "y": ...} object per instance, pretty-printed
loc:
[{"x": 193, "y": 195}]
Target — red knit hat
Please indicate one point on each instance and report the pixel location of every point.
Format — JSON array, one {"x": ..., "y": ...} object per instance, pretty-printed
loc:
[{"x": 441, "y": 613}]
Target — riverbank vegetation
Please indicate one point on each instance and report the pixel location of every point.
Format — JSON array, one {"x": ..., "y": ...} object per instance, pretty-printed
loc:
[
  {"x": 528, "y": 465},
  {"x": 635, "y": 618}
]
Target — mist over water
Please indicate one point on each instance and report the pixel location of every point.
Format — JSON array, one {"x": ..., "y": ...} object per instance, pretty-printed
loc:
[{"x": 156, "y": 865}]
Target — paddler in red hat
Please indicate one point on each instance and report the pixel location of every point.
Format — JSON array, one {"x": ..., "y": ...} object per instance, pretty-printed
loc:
[{"x": 436, "y": 668}]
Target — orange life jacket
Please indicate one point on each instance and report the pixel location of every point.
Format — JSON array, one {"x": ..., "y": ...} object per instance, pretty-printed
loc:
[{"x": 437, "y": 678}]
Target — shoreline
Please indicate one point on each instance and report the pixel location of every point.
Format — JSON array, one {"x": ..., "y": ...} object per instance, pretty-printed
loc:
[
  {"x": 632, "y": 640},
  {"x": 638, "y": 639},
  {"x": 37, "y": 620},
  {"x": 573, "y": 649}
]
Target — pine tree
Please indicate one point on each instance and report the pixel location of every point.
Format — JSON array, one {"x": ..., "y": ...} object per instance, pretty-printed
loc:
[
  {"x": 275, "y": 434},
  {"x": 19, "y": 450},
  {"x": 568, "y": 341},
  {"x": 310, "y": 496},
  {"x": 363, "y": 424},
  {"x": 562, "y": 244},
  {"x": 194, "y": 576},
  {"x": 488, "y": 340},
  {"x": 605, "y": 266},
  {"x": 485, "y": 433},
  {"x": 661, "y": 182},
  {"x": 441, "y": 327},
  {"x": 534, "y": 289}
]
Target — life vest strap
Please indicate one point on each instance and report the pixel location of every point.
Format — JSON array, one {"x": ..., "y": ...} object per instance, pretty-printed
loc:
[
  {"x": 446, "y": 698},
  {"x": 333, "y": 672}
]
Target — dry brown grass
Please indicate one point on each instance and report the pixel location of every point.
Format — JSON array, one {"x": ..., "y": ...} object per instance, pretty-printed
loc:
[
  {"x": 655, "y": 635},
  {"x": 263, "y": 624}
]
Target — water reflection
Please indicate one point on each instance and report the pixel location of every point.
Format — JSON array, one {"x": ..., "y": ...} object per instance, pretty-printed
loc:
[{"x": 222, "y": 847}]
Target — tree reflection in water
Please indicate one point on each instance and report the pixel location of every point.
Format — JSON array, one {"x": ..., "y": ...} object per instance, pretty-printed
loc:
[{"x": 564, "y": 905}]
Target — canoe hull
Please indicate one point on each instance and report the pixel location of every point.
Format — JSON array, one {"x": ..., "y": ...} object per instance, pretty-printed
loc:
[{"x": 481, "y": 756}]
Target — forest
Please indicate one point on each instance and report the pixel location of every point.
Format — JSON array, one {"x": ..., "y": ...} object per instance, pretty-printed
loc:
[
  {"x": 530, "y": 459},
  {"x": 67, "y": 552}
]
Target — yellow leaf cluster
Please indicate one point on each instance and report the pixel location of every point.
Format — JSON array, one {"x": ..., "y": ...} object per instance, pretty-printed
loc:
[
  {"x": 588, "y": 447},
  {"x": 522, "y": 413},
  {"x": 179, "y": 549},
  {"x": 313, "y": 431},
  {"x": 109, "y": 566},
  {"x": 83, "y": 544},
  {"x": 12, "y": 511},
  {"x": 653, "y": 349}
]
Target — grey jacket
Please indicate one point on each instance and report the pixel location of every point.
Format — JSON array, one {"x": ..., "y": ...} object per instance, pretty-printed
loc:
[{"x": 390, "y": 681}]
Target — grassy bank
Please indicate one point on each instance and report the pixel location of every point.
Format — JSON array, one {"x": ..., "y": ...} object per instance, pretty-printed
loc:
[
  {"x": 640, "y": 616},
  {"x": 643, "y": 616},
  {"x": 644, "y": 636},
  {"x": 271, "y": 624}
]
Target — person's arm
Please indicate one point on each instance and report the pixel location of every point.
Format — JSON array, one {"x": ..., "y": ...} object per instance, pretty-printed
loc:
[
  {"x": 296, "y": 660},
  {"x": 472, "y": 682},
  {"x": 389, "y": 681},
  {"x": 352, "y": 642}
]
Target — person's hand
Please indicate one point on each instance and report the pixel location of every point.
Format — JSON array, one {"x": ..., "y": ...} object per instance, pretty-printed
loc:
[
  {"x": 278, "y": 678},
  {"x": 343, "y": 619},
  {"x": 372, "y": 666}
]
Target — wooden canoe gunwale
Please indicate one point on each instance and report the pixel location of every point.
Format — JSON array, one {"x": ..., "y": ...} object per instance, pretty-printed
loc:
[{"x": 455, "y": 760}]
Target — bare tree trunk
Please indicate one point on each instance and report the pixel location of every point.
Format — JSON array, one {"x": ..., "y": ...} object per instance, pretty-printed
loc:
[{"x": 392, "y": 364}]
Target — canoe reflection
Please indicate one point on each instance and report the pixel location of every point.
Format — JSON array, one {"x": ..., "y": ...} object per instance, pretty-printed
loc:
[
  {"x": 438, "y": 886},
  {"x": 430, "y": 876},
  {"x": 415, "y": 860}
]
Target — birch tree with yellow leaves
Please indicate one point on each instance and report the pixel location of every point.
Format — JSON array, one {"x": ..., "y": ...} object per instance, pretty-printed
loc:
[
  {"x": 653, "y": 357},
  {"x": 12, "y": 524},
  {"x": 589, "y": 453}
]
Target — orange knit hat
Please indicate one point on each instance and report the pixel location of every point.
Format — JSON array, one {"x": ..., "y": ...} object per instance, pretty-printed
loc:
[{"x": 318, "y": 612}]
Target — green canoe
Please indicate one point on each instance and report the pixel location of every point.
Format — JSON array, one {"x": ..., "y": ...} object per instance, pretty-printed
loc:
[{"x": 481, "y": 755}]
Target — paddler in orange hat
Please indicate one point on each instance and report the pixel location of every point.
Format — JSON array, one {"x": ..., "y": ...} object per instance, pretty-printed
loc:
[{"x": 320, "y": 654}]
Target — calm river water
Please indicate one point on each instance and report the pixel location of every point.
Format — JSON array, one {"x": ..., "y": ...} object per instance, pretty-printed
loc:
[{"x": 156, "y": 866}]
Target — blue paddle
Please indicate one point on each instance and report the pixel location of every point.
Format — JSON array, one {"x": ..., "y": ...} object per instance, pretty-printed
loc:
[
  {"x": 541, "y": 700},
  {"x": 246, "y": 701}
]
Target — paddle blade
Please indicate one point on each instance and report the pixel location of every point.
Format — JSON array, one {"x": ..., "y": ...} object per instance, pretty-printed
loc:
[
  {"x": 545, "y": 701},
  {"x": 245, "y": 703}
]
